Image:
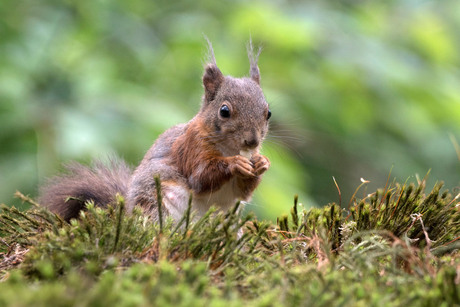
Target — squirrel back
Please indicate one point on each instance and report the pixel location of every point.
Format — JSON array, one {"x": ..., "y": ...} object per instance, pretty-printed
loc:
[{"x": 214, "y": 157}]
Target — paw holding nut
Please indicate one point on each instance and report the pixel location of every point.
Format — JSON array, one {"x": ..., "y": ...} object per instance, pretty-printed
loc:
[
  {"x": 241, "y": 167},
  {"x": 249, "y": 167},
  {"x": 260, "y": 163}
]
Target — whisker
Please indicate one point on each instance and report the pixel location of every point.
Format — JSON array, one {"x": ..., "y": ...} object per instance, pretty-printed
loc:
[
  {"x": 254, "y": 205},
  {"x": 287, "y": 137},
  {"x": 280, "y": 145}
]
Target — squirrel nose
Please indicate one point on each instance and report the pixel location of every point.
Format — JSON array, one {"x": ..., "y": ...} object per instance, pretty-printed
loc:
[{"x": 251, "y": 143}]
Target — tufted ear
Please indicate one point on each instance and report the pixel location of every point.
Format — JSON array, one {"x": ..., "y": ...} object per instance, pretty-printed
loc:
[
  {"x": 212, "y": 79},
  {"x": 253, "y": 59}
]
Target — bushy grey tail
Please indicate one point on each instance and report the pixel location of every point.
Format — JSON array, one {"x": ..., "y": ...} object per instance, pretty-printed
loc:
[{"x": 67, "y": 194}]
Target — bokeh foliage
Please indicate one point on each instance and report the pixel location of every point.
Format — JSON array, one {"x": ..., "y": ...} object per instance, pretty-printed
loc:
[{"x": 355, "y": 87}]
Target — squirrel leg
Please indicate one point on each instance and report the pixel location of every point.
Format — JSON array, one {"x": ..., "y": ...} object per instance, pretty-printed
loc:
[
  {"x": 247, "y": 184},
  {"x": 241, "y": 167},
  {"x": 175, "y": 198},
  {"x": 214, "y": 173},
  {"x": 212, "y": 177},
  {"x": 261, "y": 164},
  {"x": 174, "y": 195}
]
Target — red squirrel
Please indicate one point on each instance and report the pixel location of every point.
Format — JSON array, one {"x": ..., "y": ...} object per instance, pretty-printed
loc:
[{"x": 215, "y": 156}]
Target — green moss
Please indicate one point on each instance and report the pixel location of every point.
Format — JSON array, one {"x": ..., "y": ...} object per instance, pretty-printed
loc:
[{"x": 396, "y": 247}]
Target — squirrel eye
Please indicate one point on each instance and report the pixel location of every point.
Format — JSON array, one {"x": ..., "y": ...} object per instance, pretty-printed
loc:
[
  {"x": 224, "y": 111},
  {"x": 269, "y": 114}
]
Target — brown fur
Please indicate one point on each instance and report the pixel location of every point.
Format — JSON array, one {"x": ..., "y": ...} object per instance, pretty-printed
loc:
[{"x": 198, "y": 160}]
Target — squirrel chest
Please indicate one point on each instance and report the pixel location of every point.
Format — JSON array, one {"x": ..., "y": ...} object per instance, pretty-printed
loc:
[{"x": 224, "y": 198}]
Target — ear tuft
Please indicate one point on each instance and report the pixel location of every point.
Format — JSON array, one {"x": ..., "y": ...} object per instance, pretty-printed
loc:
[
  {"x": 253, "y": 59},
  {"x": 212, "y": 79}
]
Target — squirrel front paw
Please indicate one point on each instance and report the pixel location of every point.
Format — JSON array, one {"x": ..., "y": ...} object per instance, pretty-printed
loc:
[
  {"x": 241, "y": 167},
  {"x": 261, "y": 164}
]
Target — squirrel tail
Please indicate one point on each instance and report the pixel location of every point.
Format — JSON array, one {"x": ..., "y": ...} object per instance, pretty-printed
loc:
[{"x": 67, "y": 194}]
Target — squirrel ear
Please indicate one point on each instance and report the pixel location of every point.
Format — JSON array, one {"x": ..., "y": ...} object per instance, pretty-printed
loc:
[
  {"x": 253, "y": 58},
  {"x": 212, "y": 79}
]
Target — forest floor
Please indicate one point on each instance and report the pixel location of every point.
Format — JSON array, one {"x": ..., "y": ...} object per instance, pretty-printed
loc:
[{"x": 398, "y": 246}]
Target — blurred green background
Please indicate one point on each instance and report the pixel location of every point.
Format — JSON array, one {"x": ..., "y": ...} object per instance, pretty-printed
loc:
[{"x": 356, "y": 88}]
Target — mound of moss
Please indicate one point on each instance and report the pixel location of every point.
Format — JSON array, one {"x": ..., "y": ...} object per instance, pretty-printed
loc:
[{"x": 397, "y": 247}]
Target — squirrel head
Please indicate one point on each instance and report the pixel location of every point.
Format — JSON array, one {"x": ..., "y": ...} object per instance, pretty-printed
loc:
[{"x": 234, "y": 109}]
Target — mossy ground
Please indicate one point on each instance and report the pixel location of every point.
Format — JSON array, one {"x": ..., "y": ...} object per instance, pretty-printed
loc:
[{"x": 397, "y": 247}]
